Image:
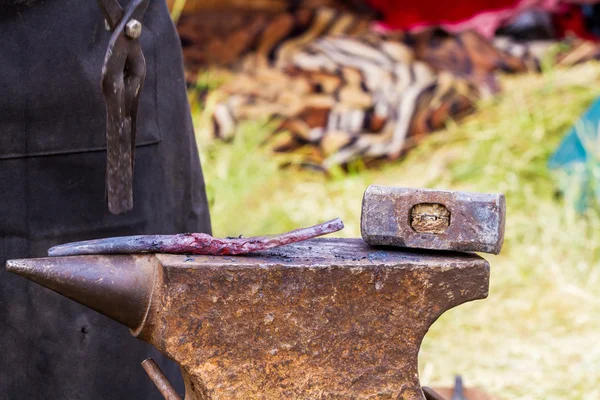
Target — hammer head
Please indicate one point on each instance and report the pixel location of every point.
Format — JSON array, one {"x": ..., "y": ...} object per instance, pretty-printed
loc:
[{"x": 433, "y": 219}]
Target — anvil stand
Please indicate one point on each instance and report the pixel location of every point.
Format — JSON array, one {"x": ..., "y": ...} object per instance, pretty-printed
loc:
[{"x": 323, "y": 319}]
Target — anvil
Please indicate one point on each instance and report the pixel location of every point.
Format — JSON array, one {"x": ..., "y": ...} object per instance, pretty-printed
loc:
[{"x": 321, "y": 319}]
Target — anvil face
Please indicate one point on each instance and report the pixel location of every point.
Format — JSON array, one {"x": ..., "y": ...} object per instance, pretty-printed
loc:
[{"x": 324, "y": 319}]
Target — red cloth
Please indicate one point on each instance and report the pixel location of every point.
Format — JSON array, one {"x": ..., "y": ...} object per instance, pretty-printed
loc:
[
  {"x": 484, "y": 16},
  {"x": 569, "y": 21},
  {"x": 407, "y": 14}
]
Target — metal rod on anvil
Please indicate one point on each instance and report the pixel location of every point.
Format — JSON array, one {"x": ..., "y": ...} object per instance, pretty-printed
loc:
[
  {"x": 192, "y": 243},
  {"x": 160, "y": 380}
]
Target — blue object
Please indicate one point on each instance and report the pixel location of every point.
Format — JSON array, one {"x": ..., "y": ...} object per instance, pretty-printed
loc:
[
  {"x": 578, "y": 157},
  {"x": 591, "y": 18}
]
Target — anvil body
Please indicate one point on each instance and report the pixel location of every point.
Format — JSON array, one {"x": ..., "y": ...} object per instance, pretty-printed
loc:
[{"x": 323, "y": 319}]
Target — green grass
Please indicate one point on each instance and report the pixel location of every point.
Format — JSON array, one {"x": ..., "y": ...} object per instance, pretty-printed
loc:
[{"x": 537, "y": 336}]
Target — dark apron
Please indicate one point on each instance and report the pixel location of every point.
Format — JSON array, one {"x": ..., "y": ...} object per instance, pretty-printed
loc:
[{"x": 52, "y": 171}]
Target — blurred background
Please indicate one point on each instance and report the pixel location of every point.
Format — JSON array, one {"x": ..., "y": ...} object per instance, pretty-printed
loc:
[{"x": 300, "y": 105}]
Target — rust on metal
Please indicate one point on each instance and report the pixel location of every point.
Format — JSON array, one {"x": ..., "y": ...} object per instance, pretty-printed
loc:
[
  {"x": 160, "y": 380},
  {"x": 192, "y": 243},
  {"x": 433, "y": 219},
  {"x": 324, "y": 318},
  {"x": 123, "y": 74}
]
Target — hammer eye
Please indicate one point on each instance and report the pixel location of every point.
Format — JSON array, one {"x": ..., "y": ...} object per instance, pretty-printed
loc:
[{"x": 429, "y": 218}]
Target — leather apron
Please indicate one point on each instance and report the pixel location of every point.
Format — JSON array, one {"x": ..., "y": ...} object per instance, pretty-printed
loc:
[{"x": 52, "y": 171}]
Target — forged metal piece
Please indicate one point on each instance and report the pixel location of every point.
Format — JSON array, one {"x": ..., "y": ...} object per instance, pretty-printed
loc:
[
  {"x": 123, "y": 74},
  {"x": 160, "y": 380},
  {"x": 433, "y": 219},
  {"x": 325, "y": 318},
  {"x": 192, "y": 243}
]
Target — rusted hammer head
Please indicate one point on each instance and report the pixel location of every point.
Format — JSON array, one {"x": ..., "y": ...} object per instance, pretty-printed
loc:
[{"x": 433, "y": 219}]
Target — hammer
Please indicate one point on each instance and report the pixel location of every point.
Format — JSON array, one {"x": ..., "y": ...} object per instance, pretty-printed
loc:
[{"x": 433, "y": 219}]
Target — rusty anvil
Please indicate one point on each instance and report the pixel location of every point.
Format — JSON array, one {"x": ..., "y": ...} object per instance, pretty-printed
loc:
[
  {"x": 323, "y": 319},
  {"x": 320, "y": 319}
]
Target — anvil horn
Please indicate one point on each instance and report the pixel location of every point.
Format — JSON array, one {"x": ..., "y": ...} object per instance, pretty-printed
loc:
[{"x": 119, "y": 287}]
